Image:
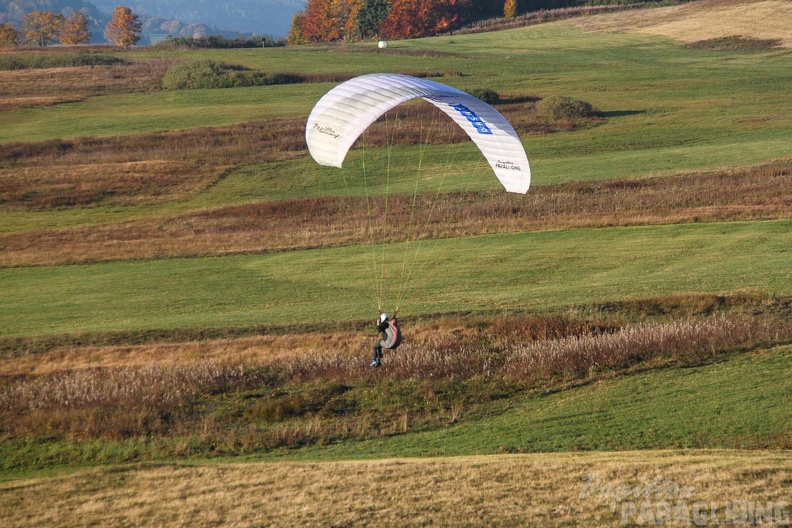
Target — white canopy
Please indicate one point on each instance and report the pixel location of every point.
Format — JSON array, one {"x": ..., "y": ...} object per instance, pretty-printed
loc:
[{"x": 347, "y": 110}]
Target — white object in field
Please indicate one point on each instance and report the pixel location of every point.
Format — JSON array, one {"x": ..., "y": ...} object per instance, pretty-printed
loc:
[
  {"x": 382, "y": 44},
  {"x": 347, "y": 110}
]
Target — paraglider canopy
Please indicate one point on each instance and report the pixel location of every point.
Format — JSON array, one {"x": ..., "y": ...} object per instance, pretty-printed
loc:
[{"x": 347, "y": 110}]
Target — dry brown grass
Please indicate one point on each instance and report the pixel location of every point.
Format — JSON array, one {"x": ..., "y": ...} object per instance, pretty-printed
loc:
[
  {"x": 702, "y": 20},
  {"x": 245, "y": 143},
  {"x": 748, "y": 194},
  {"x": 564, "y": 489},
  {"x": 256, "y": 142},
  {"x": 125, "y": 183},
  {"x": 574, "y": 351},
  {"x": 48, "y": 86},
  {"x": 272, "y": 349},
  {"x": 542, "y": 16},
  {"x": 87, "y": 392}
]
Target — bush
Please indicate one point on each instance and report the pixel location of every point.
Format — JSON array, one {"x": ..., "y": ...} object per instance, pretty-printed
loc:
[
  {"x": 486, "y": 95},
  {"x": 558, "y": 108},
  {"x": 211, "y": 74},
  {"x": 203, "y": 74}
]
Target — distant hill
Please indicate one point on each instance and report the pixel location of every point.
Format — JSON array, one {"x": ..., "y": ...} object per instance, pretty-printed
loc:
[
  {"x": 271, "y": 17},
  {"x": 155, "y": 26},
  {"x": 14, "y": 11}
]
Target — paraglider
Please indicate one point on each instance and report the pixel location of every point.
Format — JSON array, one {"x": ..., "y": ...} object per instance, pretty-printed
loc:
[
  {"x": 344, "y": 113},
  {"x": 347, "y": 110},
  {"x": 390, "y": 337}
]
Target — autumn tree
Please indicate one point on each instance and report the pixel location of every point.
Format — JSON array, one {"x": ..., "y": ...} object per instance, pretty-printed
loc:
[
  {"x": 348, "y": 11},
  {"x": 42, "y": 28},
  {"x": 322, "y": 21},
  {"x": 124, "y": 27},
  {"x": 370, "y": 16},
  {"x": 75, "y": 30},
  {"x": 9, "y": 36},
  {"x": 408, "y": 19},
  {"x": 450, "y": 14},
  {"x": 295, "y": 33},
  {"x": 421, "y": 18},
  {"x": 510, "y": 9}
]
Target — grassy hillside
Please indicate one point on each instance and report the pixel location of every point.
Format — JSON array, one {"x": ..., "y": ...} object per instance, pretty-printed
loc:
[
  {"x": 743, "y": 402},
  {"x": 533, "y": 271},
  {"x": 181, "y": 282},
  {"x": 740, "y": 403},
  {"x": 660, "y": 96},
  {"x": 547, "y": 384},
  {"x": 710, "y": 21}
]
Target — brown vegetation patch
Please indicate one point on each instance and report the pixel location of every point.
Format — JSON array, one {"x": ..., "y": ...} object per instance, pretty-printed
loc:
[
  {"x": 575, "y": 351},
  {"x": 46, "y": 354},
  {"x": 29, "y": 356},
  {"x": 262, "y": 141},
  {"x": 749, "y": 194},
  {"x": 313, "y": 386},
  {"x": 736, "y": 43},
  {"x": 31, "y": 87},
  {"x": 542, "y": 16},
  {"x": 39, "y": 87},
  {"x": 8, "y": 103},
  {"x": 240, "y": 144},
  {"x": 129, "y": 183},
  {"x": 702, "y": 20},
  {"x": 158, "y": 389}
]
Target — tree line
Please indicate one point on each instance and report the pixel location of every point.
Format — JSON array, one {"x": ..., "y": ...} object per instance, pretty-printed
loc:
[
  {"x": 333, "y": 20},
  {"x": 44, "y": 28}
]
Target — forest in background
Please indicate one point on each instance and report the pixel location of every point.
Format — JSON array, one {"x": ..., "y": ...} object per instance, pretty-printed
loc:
[{"x": 332, "y": 20}]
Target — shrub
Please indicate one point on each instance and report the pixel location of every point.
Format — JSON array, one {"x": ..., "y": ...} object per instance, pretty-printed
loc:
[
  {"x": 200, "y": 74},
  {"x": 559, "y": 108},
  {"x": 486, "y": 95}
]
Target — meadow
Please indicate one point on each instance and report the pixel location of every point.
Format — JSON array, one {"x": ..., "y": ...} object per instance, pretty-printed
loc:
[{"x": 187, "y": 297}]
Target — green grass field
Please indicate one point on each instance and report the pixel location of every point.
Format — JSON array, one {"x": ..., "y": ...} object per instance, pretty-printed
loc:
[
  {"x": 740, "y": 403},
  {"x": 530, "y": 271},
  {"x": 666, "y": 109}
]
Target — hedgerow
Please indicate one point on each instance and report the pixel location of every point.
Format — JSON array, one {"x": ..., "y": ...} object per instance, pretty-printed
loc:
[
  {"x": 57, "y": 60},
  {"x": 220, "y": 42}
]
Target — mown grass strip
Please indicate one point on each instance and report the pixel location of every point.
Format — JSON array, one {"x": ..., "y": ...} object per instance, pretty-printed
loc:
[{"x": 500, "y": 272}]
